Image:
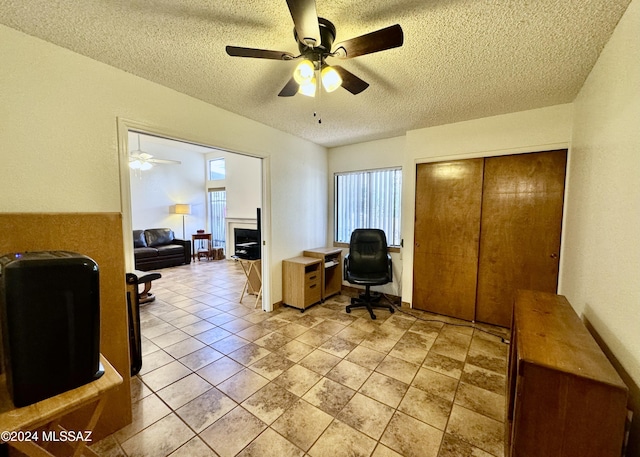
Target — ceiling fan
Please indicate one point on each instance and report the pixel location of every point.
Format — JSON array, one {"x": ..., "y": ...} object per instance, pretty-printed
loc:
[
  {"x": 315, "y": 36},
  {"x": 140, "y": 160}
]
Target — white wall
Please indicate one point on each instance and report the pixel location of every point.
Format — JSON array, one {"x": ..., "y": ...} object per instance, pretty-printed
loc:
[
  {"x": 60, "y": 148},
  {"x": 601, "y": 258},
  {"x": 527, "y": 131},
  {"x": 385, "y": 153},
  {"x": 155, "y": 191}
]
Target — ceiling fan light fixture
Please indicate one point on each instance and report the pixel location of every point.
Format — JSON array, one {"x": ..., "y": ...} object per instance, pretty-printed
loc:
[
  {"x": 304, "y": 72},
  {"x": 144, "y": 166},
  {"x": 308, "y": 88},
  {"x": 135, "y": 164},
  {"x": 331, "y": 80}
]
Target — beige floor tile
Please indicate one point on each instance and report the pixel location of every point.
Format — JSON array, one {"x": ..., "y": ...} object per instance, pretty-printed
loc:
[
  {"x": 383, "y": 451},
  {"x": 398, "y": 369},
  {"x": 295, "y": 350},
  {"x": 329, "y": 396},
  {"x": 302, "y": 424},
  {"x": 298, "y": 380},
  {"x": 410, "y": 437},
  {"x": 454, "y": 447},
  {"x": 249, "y": 354},
  {"x": 366, "y": 415},
  {"x": 337, "y": 346},
  {"x": 478, "y": 430},
  {"x": 213, "y": 335},
  {"x": 272, "y": 340},
  {"x": 183, "y": 391},
  {"x": 155, "y": 360},
  {"x": 195, "y": 447},
  {"x": 482, "y": 378},
  {"x": 159, "y": 439},
  {"x": 272, "y": 365},
  {"x": 271, "y": 444},
  {"x": 349, "y": 374},
  {"x": 435, "y": 383},
  {"x": 220, "y": 370},
  {"x": 254, "y": 332},
  {"x": 269, "y": 403},
  {"x": 229, "y": 344},
  {"x": 242, "y": 385},
  {"x": 387, "y": 390},
  {"x": 340, "y": 440},
  {"x": 165, "y": 375},
  {"x": 184, "y": 347},
  {"x": 200, "y": 358},
  {"x": 205, "y": 409},
  {"x": 232, "y": 432},
  {"x": 319, "y": 361},
  {"x": 425, "y": 407},
  {"x": 443, "y": 364},
  {"x": 452, "y": 344},
  {"x": 481, "y": 401},
  {"x": 365, "y": 357}
]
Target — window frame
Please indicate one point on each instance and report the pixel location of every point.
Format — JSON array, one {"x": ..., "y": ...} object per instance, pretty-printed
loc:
[{"x": 397, "y": 209}]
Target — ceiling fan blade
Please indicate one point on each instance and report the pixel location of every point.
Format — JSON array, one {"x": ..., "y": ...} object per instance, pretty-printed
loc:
[
  {"x": 305, "y": 20},
  {"x": 380, "y": 40},
  {"x": 236, "y": 51},
  {"x": 350, "y": 81},
  {"x": 290, "y": 89},
  {"x": 176, "y": 162}
]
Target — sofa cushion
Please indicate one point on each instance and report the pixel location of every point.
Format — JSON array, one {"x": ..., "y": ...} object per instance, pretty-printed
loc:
[
  {"x": 158, "y": 236},
  {"x": 170, "y": 249},
  {"x": 139, "y": 240},
  {"x": 145, "y": 253}
]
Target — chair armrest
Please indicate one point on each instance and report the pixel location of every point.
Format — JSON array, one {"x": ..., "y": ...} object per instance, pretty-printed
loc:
[
  {"x": 346, "y": 267},
  {"x": 390, "y": 267}
]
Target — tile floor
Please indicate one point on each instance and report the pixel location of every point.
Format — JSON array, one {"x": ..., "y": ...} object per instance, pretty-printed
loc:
[{"x": 221, "y": 378}]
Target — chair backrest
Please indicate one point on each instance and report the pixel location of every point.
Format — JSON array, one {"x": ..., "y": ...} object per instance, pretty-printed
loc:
[{"x": 368, "y": 251}]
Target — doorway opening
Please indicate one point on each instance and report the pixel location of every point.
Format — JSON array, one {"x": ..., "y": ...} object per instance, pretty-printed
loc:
[{"x": 179, "y": 176}]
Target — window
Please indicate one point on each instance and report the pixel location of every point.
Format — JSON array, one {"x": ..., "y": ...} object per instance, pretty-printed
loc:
[
  {"x": 218, "y": 212},
  {"x": 217, "y": 169},
  {"x": 368, "y": 199}
]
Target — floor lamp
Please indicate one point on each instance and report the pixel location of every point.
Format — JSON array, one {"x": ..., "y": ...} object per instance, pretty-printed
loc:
[{"x": 183, "y": 209}]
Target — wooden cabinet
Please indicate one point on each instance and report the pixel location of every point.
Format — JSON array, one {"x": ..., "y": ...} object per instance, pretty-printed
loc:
[
  {"x": 301, "y": 281},
  {"x": 331, "y": 259},
  {"x": 564, "y": 398},
  {"x": 485, "y": 228}
]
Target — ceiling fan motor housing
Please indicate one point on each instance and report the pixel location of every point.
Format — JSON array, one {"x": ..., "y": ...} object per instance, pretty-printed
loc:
[{"x": 327, "y": 36}]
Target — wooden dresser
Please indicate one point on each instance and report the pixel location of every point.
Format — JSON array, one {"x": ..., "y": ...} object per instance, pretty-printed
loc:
[{"x": 564, "y": 398}]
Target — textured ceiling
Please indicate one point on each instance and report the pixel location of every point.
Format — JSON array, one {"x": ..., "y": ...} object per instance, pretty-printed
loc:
[{"x": 460, "y": 59}]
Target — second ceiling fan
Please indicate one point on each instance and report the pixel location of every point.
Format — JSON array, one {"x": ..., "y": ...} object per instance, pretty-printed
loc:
[{"x": 315, "y": 36}]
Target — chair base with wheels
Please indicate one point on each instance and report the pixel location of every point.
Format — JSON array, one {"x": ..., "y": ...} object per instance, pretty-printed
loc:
[{"x": 369, "y": 301}]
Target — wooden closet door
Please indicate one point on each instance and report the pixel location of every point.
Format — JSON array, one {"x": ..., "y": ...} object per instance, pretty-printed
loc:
[
  {"x": 520, "y": 235},
  {"x": 447, "y": 225}
]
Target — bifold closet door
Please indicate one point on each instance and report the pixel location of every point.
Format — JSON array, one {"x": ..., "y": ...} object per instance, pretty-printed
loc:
[
  {"x": 447, "y": 229},
  {"x": 522, "y": 201}
]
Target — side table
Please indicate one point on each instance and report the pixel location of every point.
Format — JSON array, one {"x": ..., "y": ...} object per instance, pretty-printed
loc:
[{"x": 198, "y": 252}]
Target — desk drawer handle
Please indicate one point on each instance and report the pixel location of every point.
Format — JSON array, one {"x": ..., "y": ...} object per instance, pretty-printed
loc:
[
  {"x": 312, "y": 277},
  {"x": 312, "y": 286}
]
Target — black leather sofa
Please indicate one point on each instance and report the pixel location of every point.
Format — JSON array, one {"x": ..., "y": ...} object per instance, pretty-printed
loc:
[{"x": 159, "y": 248}]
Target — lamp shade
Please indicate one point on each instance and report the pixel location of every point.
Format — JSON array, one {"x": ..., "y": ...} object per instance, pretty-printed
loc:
[
  {"x": 331, "y": 80},
  {"x": 181, "y": 208}
]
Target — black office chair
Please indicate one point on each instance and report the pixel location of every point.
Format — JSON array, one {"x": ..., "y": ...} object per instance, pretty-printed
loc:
[{"x": 368, "y": 264}]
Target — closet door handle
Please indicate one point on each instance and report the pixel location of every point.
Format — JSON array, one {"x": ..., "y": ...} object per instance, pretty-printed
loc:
[{"x": 554, "y": 256}]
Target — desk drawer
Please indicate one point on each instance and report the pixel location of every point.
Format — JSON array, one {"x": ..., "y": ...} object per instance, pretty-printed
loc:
[{"x": 312, "y": 294}]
